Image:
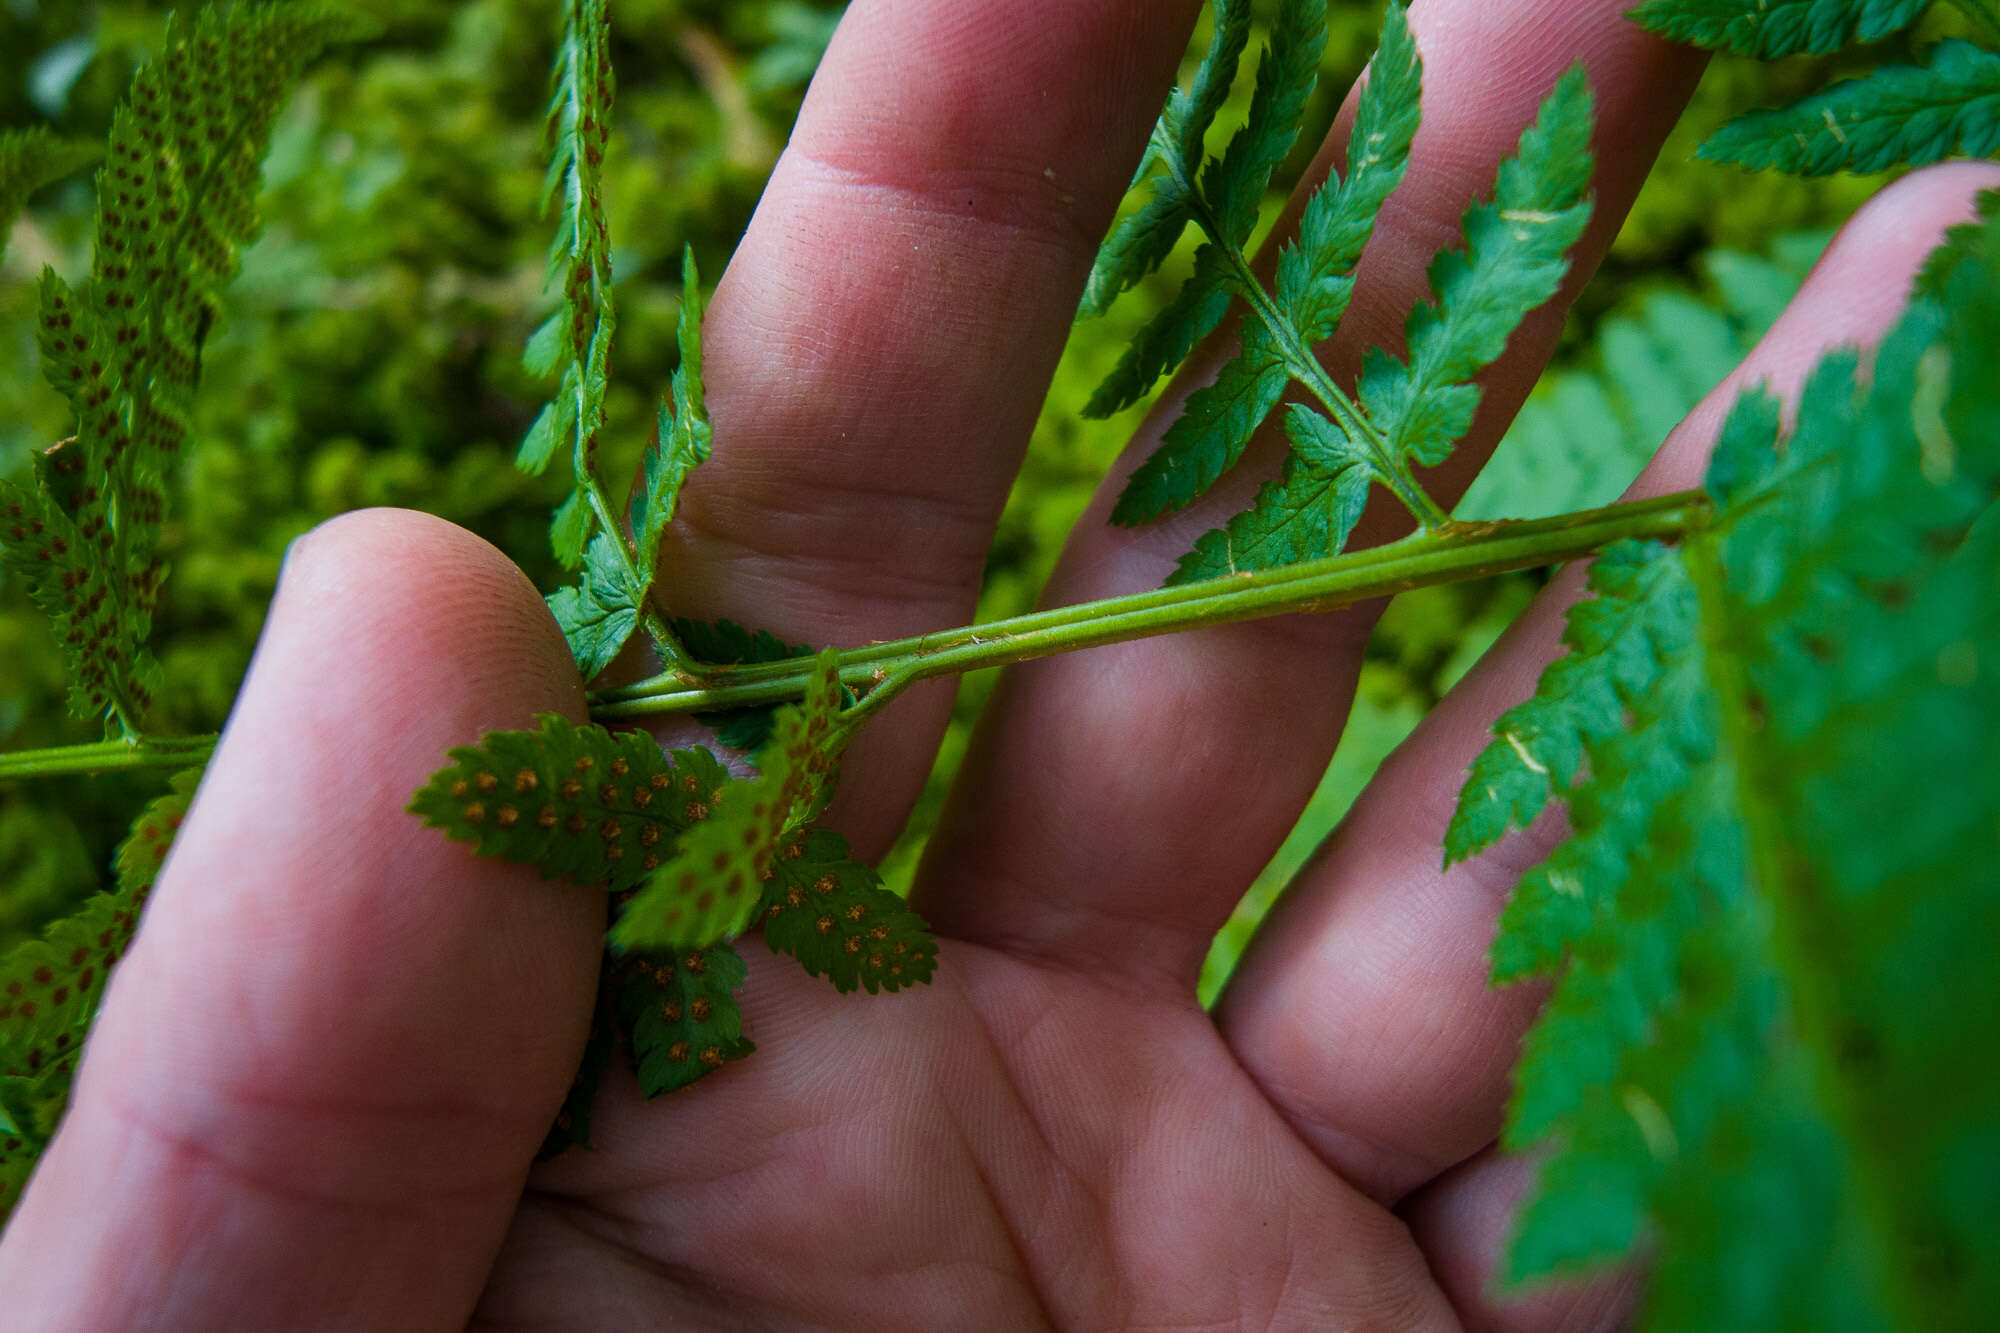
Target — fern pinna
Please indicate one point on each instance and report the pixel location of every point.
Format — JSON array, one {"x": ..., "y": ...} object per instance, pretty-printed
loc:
[{"x": 1762, "y": 1063}]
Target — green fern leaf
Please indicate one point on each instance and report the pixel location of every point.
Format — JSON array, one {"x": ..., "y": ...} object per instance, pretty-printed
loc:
[
  {"x": 50, "y": 989},
  {"x": 1772, "y": 28},
  {"x": 832, "y": 914},
  {"x": 1315, "y": 278},
  {"x": 1899, "y": 115},
  {"x": 1211, "y": 432},
  {"x": 1768, "y": 925},
  {"x": 1309, "y": 513},
  {"x": 725, "y": 642},
  {"x": 577, "y": 337},
  {"x": 1618, "y": 638},
  {"x": 1513, "y": 261},
  {"x": 714, "y": 888},
  {"x": 1287, "y": 73},
  {"x": 580, "y": 803},
  {"x": 30, "y": 159},
  {"x": 680, "y": 1016},
  {"x": 1143, "y": 239},
  {"x": 1168, "y": 337},
  {"x": 684, "y": 433},
  {"x": 175, "y": 198},
  {"x": 1316, "y": 272},
  {"x": 600, "y": 613}
]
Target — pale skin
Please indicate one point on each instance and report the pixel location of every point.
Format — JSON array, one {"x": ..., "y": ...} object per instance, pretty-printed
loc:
[{"x": 320, "y": 1076}]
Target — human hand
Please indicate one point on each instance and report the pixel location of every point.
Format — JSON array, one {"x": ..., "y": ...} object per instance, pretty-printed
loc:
[{"x": 321, "y": 1072}]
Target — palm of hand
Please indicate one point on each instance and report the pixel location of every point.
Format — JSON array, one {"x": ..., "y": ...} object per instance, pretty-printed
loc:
[{"x": 1019, "y": 1146}]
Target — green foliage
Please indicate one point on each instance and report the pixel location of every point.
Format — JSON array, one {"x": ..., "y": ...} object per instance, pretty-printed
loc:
[
  {"x": 1772, "y": 28},
  {"x": 724, "y": 642},
  {"x": 831, "y": 913},
  {"x": 175, "y": 198},
  {"x": 30, "y": 159},
  {"x": 1896, "y": 115},
  {"x": 1763, "y": 924},
  {"x": 1589, "y": 426},
  {"x": 50, "y": 988},
  {"x": 680, "y": 1014},
  {"x": 1315, "y": 278},
  {"x": 1908, "y": 115},
  {"x": 714, "y": 888},
  {"x": 579, "y": 802},
  {"x": 1415, "y": 411}
]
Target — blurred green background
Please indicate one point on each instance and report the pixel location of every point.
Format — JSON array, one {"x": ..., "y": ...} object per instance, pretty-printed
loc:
[{"x": 369, "y": 352}]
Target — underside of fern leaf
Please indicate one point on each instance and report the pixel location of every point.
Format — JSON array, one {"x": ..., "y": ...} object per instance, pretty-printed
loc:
[
  {"x": 1768, "y": 926},
  {"x": 175, "y": 197}
]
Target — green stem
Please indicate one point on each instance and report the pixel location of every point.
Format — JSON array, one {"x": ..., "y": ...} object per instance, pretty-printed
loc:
[
  {"x": 108, "y": 757},
  {"x": 878, "y": 672},
  {"x": 1457, "y": 552}
]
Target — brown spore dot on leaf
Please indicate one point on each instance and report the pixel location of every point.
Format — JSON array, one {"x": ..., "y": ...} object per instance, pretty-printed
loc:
[
  {"x": 824, "y": 925},
  {"x": 571, "y": 789},
  {"x": 701, "y": 1009},
  {"x": 507, "y": 816},
  {"x": 855, "y": 911},
  {"x": 525, "y": 780},
  {"x": 679, "y": 1051},
  {"x": 547, "y": 817},
  {"x": 475, "y": 812},
  {"x": 577, "y": 822},
  {"x": 619, "y": 767},
  {"x": 712, "y": 1056},
  {"x": 486, "y": 782},
  {"x": 696, "y": 963},
  {"x": 695, "y": 812},
  {"x": 642, "y": 797},
  {"x": 826, "y": 884},
  {"x": 584, "y": 763},
  {"x": 43, "y": 976},
  {"x": 690, "y": 783},
  {"x": 852, "y": 944},
  {"x": 671, "y": 1011},
  {"x": 649, "y": 834},
  {"x": 459, "y": 791},
  {"x": 608, "y": 794}
]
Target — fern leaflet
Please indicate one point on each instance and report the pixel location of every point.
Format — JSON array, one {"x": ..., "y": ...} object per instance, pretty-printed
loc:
[
  {"x": 50, "y": 988},
  {"x": 1769, "y": 29},
  {"x": 1899, "y": 115},
  {"x": 1414, "y": 412},
  {"x": 1766, "y": 925},
  {"x": 174, "y": 199}
]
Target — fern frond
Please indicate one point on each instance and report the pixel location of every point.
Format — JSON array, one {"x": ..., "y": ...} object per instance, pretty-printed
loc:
[
  {"x": 1768, "y": 925},
  {"x": 1310, "y": 512},
  {"x": 1513, "y": 261},
  {"x": 684, "y": 431},
  {"x": 714, "y": 888},
  {"x": 1287, "y": 71},
  {"x": 576, "y": 340},
  {"x": 680, "y": 1016},
  {"x": 1769, "y": 29},
  {"x": 831, "y": 913},
  {"x": 175, "y": 198},
  {"x": 50, "y": 989},
  {"x": 1640, "y": 607},
  {"x": 599, "y": 614},
  {"x": 1898, "y": 115},
  {"x": 1142, "y": 240},
  {"x": 1221, "y": 194},
  {"x": 1315, "y": 275},
  {"x": 579, "y": 802},
  {"x": 31, "y": 158}
]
